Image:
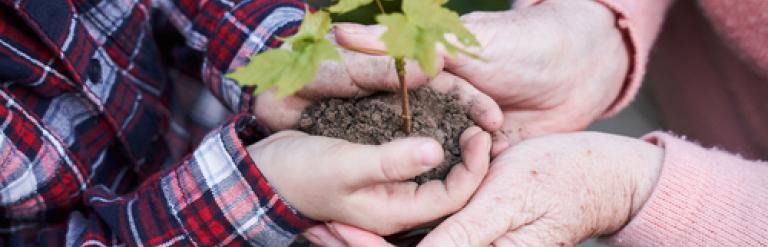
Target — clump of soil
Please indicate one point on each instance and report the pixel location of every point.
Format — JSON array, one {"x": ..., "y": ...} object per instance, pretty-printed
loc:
[{"x": 376, "y": 119}]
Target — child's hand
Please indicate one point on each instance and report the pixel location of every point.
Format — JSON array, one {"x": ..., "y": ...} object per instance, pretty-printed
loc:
[{"x": 364, "y": 185}]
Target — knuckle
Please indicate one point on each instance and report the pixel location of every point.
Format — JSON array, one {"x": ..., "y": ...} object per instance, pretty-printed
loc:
[{"x": 389, "y": 170}]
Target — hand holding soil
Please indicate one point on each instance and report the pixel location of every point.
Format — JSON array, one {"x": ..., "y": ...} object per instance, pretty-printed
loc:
[
  {"x": 376, "y": 120},
  {"x": 360, "y": 75},
  {"x": 329, "y": 179},
  {"x": 552, "y": 67}
]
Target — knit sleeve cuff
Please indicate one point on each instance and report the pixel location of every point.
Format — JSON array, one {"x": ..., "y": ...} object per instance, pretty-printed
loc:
[{"x": 703, "y": 197}]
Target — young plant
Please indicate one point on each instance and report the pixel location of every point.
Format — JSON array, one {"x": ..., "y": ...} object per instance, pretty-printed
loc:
[{"x": 413, "y": 34}]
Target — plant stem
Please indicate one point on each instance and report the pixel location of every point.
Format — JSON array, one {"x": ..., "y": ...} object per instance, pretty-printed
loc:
[
  {"x": 381, "y": 6},
  {"x": 400, "y": 67}
]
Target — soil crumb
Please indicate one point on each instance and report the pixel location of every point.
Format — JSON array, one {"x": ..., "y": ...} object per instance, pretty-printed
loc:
[{"x": 376, "y": 119}]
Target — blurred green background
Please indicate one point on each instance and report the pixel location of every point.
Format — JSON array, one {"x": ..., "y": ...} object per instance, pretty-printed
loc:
[{"x": 366, "y": 14}]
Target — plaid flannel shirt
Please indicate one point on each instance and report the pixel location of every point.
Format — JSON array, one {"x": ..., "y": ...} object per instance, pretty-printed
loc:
[{"x": 87, "y": 133}]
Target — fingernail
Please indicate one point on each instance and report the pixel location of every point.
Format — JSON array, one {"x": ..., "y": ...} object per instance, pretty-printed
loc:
[{"x": 429, "y": 154}]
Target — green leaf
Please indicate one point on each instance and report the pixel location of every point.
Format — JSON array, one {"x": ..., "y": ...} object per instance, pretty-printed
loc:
[
  {"x": 290, "y": 70},
  {"x": 344, "y": 6},
  {"x": 263, "y": 70},
  {"x": 432, "y": 16},
  {"x": 303, "y": 68},
  {"x": 415, "y": 33},
  {"x": 314, "y": 27},
  {"x": 400, "y": 35}
]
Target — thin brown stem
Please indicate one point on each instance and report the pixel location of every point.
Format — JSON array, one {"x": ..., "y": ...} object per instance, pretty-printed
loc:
[
  {"x": 407, "y": 118},
  {"x": 400, "y": 67}
]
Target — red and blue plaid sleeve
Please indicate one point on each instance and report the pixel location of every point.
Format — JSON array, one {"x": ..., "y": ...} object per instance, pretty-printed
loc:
[
  {"x": 216, "y": 196},
  {"x": 229, "y": 32}
]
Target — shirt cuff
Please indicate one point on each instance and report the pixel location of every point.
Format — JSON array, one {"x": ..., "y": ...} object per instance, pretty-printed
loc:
[
  {"x": 703, "y": 197},
  {"x": 248, "y": 29},
  {"x": 216, "y": 196}
]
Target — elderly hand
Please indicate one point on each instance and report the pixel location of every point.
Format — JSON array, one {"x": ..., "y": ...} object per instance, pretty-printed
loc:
[
  {"x": 329, "y": 179},
  {"x": 555, "y": 190},
  {"x": 361, "y": 74},
  {"x": 552, "y": 67}
]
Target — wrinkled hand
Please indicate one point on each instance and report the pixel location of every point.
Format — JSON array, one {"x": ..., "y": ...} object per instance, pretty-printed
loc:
[
  {"x": 551, "y": 67},
  {"x": 555, "y": 190},
  {"x": 362, "y": 74},
  {"x": 329, "y": 179}
]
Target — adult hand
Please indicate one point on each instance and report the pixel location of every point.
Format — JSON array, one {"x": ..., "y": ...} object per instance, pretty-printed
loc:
[
  {"x": 552, "y": 67},
  {"x": 329, "y": 179},
  {"x": 556, "y": 190},
  {"x": 362, "y": 74}
]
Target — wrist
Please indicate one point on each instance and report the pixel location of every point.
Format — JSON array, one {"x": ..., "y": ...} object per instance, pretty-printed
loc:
[
  {"x": 625, "y": 177},
  {"x": 647, "y": 177},
  {"x": 642, "y": 167}
]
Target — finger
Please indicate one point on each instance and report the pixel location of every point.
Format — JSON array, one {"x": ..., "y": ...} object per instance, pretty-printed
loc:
[
  {"x": 520, "y": 125},
  {"x": 482, "y": 108},
  {"x": 478, "y": 224},
  {"x": 361, "y": 38},
  {"x": 465, "y": 178},
  {"x": 500, "y": 143},
  {"x": 500, "y": 205},
  {"x": 322, "y": 236},
  {"x": 332, "y": 80},
  {"x": 395, "y": 161},
  {"x": 357, "y": 237},
  {"x": 412, "y": 205},
  {"x": 279, "y": 113},
  {"x": 360, "y": 74},
  {"x": 467, "y": 135},
  {"x": 378, "y": 73},
  {"x": 366, "y": 39}
]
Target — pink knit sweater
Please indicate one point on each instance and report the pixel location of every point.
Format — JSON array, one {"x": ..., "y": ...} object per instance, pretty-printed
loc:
[
  {"x": 704, "y": 197},
  {"x": 709, "y": 72}
]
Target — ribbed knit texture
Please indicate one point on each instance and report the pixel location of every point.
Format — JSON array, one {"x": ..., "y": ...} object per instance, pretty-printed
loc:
[{"x": 704, "y": 197}]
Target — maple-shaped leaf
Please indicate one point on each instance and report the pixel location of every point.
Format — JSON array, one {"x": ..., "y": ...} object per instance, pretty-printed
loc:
[
  {"x": 344, "y": 6},
  {"x": 422, "y": 25},
  {"x": 290, "y": 70}
]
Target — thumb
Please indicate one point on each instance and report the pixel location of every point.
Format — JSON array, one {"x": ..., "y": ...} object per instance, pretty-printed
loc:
[
  {"x": 361, "y": 38},
  {"x": 394, "y": 161},
  {"x": 475, "y": 225},
  {"x": 365, "y": 39}
]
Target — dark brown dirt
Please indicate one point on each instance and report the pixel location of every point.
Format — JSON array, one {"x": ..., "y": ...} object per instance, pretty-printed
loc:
[{"x": 376, "y": 120}]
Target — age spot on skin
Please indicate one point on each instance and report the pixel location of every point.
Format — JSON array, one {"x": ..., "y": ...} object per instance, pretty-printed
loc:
[{"x": 534, "y": 173}]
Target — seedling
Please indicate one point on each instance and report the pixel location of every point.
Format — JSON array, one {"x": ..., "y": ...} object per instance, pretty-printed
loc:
[{"x": 413, "y": 34}]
